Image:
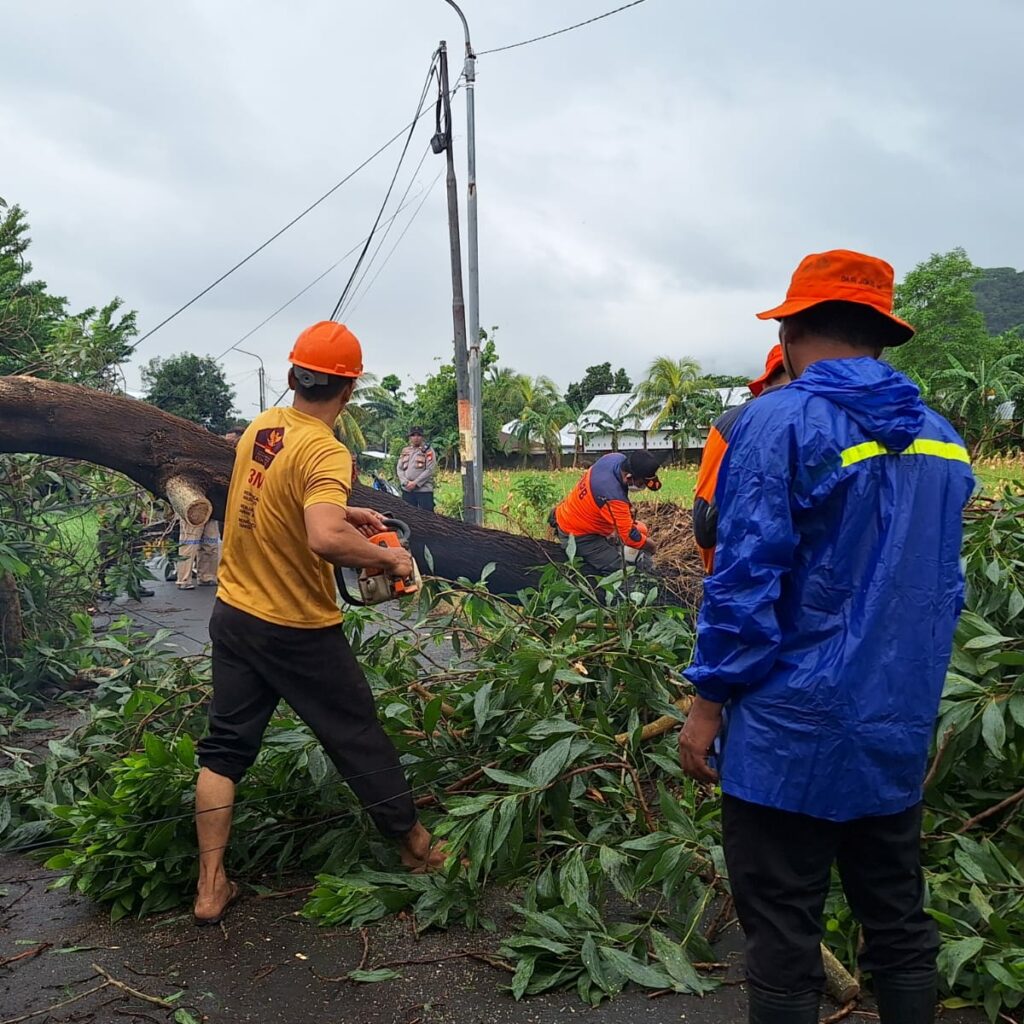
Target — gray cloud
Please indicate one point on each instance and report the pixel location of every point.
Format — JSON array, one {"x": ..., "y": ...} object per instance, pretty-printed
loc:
[{"x": 646, "y": 183}]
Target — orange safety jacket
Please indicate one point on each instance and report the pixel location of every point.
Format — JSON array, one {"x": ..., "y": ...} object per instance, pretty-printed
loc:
[
  {"x": 599, "y": 504},
  {"x": 705, "y": 509}
]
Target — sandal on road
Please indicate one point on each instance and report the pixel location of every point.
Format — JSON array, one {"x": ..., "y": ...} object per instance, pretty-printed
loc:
[{"x": 205, "y": 922}]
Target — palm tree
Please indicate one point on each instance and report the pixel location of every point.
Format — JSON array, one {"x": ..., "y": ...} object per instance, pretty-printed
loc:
[
  {"x": 603, "y": 422},
  {"x": 677, "y": 398},
  {"x": 971, "y": 397},
  {"x": 542, "y": 414},
  {"x": 349, "y": 426},
  {"x": 583, "y": 429}
]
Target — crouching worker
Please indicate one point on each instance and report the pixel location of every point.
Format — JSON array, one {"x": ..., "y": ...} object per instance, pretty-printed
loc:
[
  {"x": 598, "y": 514},
  {"x": 276, "y": 628}
]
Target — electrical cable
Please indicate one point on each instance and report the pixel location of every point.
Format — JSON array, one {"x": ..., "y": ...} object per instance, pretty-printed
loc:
[
  {"x": 408, "y": 224},
  {"x": 561, "y": 31},
  {"x": 387, "y": 195},
  {"x": 384, "y": 236},
  {"x": 277, "y": 234},
  {"x": 316, "y": 280}
]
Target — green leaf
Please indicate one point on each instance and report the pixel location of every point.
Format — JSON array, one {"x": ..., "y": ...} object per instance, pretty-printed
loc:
[
  {"x": 986, "y": 641},
  {"x": 637, "y": 972},
  {"x": 521, "y": 979},
  {"x": 993, "y": 729},
  {"x": 508, "y": 778},
  {"x": 481, "y": 704},
  {"x": 156, "y": 750},
  {"x": 592, "y": 960},
  {"x": 547, "y": 924},
  {"x": 1016, "y": 603},
  {"x": 373, "y": 977},
  {"x": 676, "y": 962},
  {"x": 573, "y": 883},
  {"x": 432, "y": 715},
  {"x": 954, "y": 955},
  {"x": 1016, "y": 704},
  {"x": 552, "y": 727},
  {"x": 550, "y": 763},
  {"x": 614, "y": 866},
  {"x": 186, "y": 751},
  {"x": 184, "y": 1017}
]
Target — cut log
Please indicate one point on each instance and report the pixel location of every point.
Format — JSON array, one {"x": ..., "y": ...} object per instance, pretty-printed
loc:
[
  {"x": 840, "y": 984},
  {"x": 191, "y": 505},
  {"x": 659, "y": 726},
  {"x": 153, "y": 448}
]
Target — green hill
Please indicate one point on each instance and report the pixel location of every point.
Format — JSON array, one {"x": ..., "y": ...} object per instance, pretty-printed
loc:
[{"x": 1000, "y": 296}]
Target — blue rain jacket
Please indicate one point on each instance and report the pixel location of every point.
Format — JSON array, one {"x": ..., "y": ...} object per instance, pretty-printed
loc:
[{"x": 828, "y": 623}]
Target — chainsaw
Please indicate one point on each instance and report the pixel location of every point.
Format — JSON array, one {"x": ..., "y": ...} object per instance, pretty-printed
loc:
[{"x": 375, "y": 586}]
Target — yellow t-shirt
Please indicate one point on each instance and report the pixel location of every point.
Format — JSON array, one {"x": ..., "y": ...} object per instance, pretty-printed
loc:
[{"x": 285, "y": 462}]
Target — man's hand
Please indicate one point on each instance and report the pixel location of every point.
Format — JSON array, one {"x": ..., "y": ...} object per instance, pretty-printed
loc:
[
  {"x": 695, "y": 740},
  {"x": 401, "y": 563},
  {"x": 410, "y": 486},
  {"x": 365, "y": 520}
]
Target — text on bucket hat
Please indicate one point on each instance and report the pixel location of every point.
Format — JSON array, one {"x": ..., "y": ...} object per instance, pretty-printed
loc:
[{"x": 841, "y": 275}]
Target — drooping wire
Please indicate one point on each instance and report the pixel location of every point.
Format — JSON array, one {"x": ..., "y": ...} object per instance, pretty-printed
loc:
[
  {"x": 387, "y": 195},
  {"x": 561, "y": 31},
  {"x": 408, "y": 224},
  {"x": 316, "y": 280},
  {"x": 277, "y": 234},
  {"x": 383, "y": 237}
]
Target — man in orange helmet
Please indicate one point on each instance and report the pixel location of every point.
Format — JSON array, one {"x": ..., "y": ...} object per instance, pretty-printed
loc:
[
  {"x": 276, "y": 627},
  {"x": 705, "y": 509}
]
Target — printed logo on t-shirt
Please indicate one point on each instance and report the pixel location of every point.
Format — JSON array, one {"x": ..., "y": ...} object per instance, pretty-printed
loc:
[{"x": 267, "y": 444}]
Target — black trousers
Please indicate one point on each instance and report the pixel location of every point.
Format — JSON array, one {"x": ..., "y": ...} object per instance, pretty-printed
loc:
[
  {"x": 256, "y": 664},
  {"x": 421, "y": 499},
  {"x": 779, "y": 868}
]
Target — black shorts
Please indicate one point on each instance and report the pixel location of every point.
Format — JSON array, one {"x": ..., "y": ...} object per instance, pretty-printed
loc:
[{"x": 256, "y": 664}]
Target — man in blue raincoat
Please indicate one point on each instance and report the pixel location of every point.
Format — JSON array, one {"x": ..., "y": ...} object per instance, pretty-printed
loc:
[{"x": 824, "y": 637}]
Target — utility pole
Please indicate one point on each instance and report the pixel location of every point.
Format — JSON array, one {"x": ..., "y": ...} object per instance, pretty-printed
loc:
[
  {"x": 475, "y": 370},
  {"x": 467, "y": 448},
  {"x": 262, "y": 377}
]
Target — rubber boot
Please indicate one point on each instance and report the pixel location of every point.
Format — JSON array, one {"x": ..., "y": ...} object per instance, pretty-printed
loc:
[
  {"x": 766, "y": 1007},
  {"x": 906, "y": 997}
]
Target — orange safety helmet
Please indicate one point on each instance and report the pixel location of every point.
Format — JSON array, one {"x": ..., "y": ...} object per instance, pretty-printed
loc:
[{"x": 327, "y": 349}]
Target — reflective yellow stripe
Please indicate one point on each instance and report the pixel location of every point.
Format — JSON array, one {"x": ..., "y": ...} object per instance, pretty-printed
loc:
[
  {"x": 860, "y": 452},
  {"x": 937, "y": 449}
]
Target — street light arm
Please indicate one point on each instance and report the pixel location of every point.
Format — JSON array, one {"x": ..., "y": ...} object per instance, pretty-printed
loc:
[
  {"x": 465, "y": 26},
  {"x": 246, "y": 352}
]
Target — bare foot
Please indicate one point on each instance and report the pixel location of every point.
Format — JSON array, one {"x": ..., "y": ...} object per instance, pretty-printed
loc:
[
  {"x": 213, "y": 900},
  {"x": 419, "y": 853}
]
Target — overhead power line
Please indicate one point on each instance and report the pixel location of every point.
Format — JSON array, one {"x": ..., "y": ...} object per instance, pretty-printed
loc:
[
  {"x": 277, "y": 234},
  {"x": 561, "y": 31},
  {"x": 398, "y": 242},
  {"x": 383, "y": 238},
  {"x": 387, "y": 195}
]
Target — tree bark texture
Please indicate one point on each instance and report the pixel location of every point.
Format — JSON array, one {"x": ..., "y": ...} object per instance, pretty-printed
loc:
[
  {"x": 154, "y": 448},
  {"x": 12, "y": 629}
]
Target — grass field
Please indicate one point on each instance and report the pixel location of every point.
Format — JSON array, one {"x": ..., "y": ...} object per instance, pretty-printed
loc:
[{"x": 514, "y": 498}]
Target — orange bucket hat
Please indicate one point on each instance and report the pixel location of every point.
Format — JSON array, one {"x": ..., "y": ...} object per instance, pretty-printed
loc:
[
  {"x": 772, "y": 365},
  {"x": 841, "y": 275}
]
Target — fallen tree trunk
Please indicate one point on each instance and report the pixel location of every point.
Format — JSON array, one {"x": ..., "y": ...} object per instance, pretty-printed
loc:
[{"x": 180, "y": 461}]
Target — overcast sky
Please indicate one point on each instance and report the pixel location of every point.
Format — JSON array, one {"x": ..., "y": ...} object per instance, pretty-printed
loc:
[{"x": 646, "y": 183}]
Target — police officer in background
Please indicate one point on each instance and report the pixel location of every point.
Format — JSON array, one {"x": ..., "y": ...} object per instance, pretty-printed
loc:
[{"x": 416, "y": 467}]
